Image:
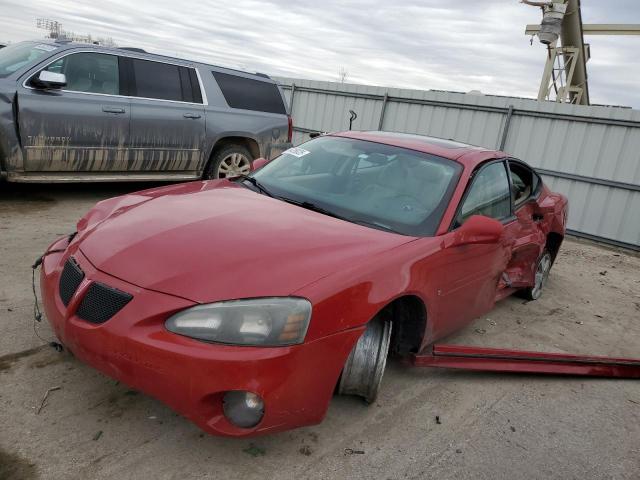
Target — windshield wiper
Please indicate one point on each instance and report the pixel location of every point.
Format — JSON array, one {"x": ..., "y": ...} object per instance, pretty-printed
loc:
[
  {"x": 379, "y": 226},
  {"x": 319, "y": 209},
  {"x": 256, "y": 184},
  {"x": 315, "y": 208}
]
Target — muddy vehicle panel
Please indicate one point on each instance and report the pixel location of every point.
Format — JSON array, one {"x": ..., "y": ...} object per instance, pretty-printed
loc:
[{"x": 71, "y": 112}]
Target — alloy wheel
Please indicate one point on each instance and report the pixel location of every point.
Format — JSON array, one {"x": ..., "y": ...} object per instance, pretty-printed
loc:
[
  {"x": 542, "y": 273},
  {"x": 234, "y": 164}
]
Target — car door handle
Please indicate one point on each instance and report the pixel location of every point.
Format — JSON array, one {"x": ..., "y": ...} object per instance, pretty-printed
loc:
[
  {"x": 113, "y": 110},
  {"x": 191, "y": 115}
]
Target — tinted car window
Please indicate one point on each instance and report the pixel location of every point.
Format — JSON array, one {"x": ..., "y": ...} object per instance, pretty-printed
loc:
[
  {"x": 378, "y": 185},
  {"x": 164, "y": 81},
  {"x": 89, "y": 72},
  {"x": 489, "y": 194},
  {"x": 157, "y": 80},
  {"x": 14, "y": 57},
  {"x": 250, "y": 94}
]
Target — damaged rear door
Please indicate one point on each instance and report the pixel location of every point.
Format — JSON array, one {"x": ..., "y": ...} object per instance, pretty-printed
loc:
[
  {"x": 527, "y": 236},
  {"x": 83, "y": 127}
]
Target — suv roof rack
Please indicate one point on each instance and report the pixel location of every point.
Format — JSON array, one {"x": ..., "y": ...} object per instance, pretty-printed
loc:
[{"x": 133, "y": 49}]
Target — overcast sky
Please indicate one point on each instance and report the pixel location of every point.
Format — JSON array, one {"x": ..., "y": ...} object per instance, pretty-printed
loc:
[{"x": 458, "y": 45}]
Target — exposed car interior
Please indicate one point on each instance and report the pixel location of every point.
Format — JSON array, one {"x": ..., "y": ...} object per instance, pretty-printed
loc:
[{"x": 523, "y": 183}]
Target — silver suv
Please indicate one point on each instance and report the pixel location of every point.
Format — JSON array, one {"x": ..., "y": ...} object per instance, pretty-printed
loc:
[{"x": 75, "y": 112}]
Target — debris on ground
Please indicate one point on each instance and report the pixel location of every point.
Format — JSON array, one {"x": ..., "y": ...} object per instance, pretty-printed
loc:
[
  {"x": 44, "y": 399},
  {"x": 255, "y": 450},
  {"x": 305, "y": 450},
  {"x": 481, "y": 331},
  {"x": 438, "y": 422},
  {"x": 97, "y": 436},
  {"x": 351, "y": 451}
]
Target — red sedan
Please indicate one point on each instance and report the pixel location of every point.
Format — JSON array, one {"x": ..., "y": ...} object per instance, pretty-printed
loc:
[{"x": 245, "y": 303}]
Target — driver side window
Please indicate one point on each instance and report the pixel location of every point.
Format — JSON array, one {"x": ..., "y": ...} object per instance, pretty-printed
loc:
[
  {"x": 89, "y": 72},
  {"x": 489, "y": 195}
]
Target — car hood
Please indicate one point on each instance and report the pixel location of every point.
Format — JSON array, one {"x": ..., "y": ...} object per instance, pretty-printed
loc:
[{"x": 210, "y": 241}]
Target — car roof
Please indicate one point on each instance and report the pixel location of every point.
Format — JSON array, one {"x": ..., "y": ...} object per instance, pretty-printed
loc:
[
  {"x": 144, "y": 55},
  {"x": 464, "y": 153}
]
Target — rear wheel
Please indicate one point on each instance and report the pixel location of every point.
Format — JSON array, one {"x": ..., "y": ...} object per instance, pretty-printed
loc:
[
  {"x": 364, "y": 368},
  {"x": 229, "y": 161},
  {"x": 542, "y": 273}
]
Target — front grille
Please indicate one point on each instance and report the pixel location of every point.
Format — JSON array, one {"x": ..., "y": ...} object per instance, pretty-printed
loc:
[
  {"x": 101, "y": 302},
  {"x": 70, "y": 279}
]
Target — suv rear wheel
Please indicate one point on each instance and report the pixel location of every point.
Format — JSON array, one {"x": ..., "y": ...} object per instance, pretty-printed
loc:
[{"x": 229, "y": 161}]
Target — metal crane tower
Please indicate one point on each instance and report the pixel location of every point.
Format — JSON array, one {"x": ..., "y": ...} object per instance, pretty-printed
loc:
[{"x": 565, "y": 73}]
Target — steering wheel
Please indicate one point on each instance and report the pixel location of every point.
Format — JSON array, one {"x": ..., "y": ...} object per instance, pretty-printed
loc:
[{"x": 409, "y": 200}]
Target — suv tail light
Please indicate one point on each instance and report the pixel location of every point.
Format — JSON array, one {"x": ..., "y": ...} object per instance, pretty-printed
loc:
[{"x": 290, "y": 134}]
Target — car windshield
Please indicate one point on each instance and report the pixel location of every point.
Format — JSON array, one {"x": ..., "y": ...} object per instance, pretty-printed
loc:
[
  {"x": 14, "y": 57},
  {"x": 364, "y": 182}
]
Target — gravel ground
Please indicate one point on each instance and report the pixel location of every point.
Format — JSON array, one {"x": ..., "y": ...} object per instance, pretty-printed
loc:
[{"x": 490, "y": 426}]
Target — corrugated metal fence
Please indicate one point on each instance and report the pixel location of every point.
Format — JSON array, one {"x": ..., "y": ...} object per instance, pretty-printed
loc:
[{"x": 591, "y": 154}]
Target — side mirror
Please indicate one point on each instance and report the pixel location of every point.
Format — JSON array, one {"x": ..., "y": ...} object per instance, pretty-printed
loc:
[
  {"x": 258, "y": 163},
  {"x": 478, "y": 229},
  {"x": 49, "y": 80}
]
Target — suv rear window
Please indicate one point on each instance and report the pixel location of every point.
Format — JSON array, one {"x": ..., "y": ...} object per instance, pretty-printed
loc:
[
  {"x": 250, "y": 94},
  {"x": 165, "y": 81}
]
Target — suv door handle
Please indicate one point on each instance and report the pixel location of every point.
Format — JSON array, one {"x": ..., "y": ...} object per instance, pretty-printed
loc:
[
  {"x": 112, "y": 110},
  {"x": 191, "y": 115}
]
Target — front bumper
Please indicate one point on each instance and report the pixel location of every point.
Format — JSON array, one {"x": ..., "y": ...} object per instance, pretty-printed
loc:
[{"x": 190, "y": 376}]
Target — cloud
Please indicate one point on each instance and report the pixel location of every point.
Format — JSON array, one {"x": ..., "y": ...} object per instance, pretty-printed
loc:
[{"x": 428, "y": 44}]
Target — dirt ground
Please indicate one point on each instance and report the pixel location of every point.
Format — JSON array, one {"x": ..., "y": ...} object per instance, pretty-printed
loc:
[{"x": 491, "y": 426}]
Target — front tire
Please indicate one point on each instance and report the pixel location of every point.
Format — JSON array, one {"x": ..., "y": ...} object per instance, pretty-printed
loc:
[
  {"x": 543, "y": 267},
  {"x": 363, "y": 370},
  {"x": 229, "y": 161}
]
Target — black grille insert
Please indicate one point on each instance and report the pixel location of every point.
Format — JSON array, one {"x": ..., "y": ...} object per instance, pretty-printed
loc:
[
  {"x": 101, "y": 303},
  {"x": 70, "y": 279}
]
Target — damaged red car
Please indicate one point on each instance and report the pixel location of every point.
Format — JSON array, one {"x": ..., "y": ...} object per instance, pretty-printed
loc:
[{"x": 245, "y": 303}]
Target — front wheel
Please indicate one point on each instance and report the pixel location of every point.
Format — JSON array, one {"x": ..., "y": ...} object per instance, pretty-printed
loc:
[
  {"x": 364, "y": 368},
  {"x": 229, "y": 161},
  {"x": 542, "y": 273}
]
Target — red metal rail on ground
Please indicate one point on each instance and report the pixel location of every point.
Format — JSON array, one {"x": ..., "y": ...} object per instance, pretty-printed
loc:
[{"x": 501, "y": 360}]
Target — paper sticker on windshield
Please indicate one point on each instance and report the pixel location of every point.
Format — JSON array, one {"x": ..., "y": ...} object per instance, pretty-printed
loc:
[
  {"x": 297, "y": 152},
  {"x": 45, "y": 47}
]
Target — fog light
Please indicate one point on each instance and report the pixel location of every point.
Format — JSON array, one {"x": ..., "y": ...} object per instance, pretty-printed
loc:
[{"x": 243, "y": 409}]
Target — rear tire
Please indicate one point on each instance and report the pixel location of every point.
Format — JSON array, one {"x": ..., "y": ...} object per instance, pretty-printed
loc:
[
  {"x": 543, "y": 267},
  {"x": 363, "y": 370},
  {"x": 228, "y": 161}
]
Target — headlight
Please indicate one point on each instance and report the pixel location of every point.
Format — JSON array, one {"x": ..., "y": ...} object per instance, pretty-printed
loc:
[{"x": 261, "y": 321}]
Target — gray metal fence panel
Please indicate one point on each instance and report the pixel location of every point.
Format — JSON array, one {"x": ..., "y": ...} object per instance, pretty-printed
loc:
[{"x": 591, "y": 154}]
